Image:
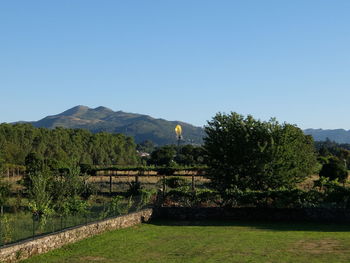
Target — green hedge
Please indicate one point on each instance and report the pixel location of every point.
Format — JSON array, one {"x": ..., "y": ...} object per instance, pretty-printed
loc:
[{"x": 335, "y": 197}]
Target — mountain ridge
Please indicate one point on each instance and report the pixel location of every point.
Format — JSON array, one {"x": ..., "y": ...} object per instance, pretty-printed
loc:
[
  {"x": 144, "y": 127},
  {"x": 141, "y": 127},
  {"x": 337, "y": 135}
]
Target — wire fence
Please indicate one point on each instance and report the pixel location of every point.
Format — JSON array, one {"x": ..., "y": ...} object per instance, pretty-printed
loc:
[
  {"x": 15, "y": 227},
  {"x": 22, "y": 225}
]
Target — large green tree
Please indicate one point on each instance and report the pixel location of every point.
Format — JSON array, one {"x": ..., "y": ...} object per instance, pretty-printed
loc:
[{"x": 246, "y": 153}]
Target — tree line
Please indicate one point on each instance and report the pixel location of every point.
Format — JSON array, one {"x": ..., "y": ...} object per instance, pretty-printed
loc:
[{"x": 65, "y": 146}]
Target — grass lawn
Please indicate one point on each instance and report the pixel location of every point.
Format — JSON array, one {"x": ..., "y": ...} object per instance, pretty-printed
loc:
[{"x": 210, "y": 241}]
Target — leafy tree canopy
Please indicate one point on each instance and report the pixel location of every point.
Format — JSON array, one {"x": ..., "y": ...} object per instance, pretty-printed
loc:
[
  {"x": 59, "y": 146},
  {"x": 187, "y": 155},
  {"x": 246, "y": 153},
  {"x": 335, "y": 169}
]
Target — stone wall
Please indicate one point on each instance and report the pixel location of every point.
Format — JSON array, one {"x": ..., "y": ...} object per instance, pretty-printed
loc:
[
  {"x": 267, "y": 214},
  {"x": 27, "y": 248}
]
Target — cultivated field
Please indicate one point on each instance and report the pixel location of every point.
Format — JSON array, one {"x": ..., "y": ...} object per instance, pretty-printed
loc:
[{"x": 210, "y": 241}]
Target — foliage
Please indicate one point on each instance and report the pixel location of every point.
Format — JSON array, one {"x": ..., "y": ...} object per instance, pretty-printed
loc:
[
  {"x": 334, "y": 169},
  {"x": 134, "y": 188},
  {"x": 145, "y": 146},
  {"x": 334, "y": 195},
  {"x": 326, "y": 193},
  {"x": 4, "y": 189},
  {"x": 174, "y": 182},
  {"x": 75, "y": 206},
  {"x": 7, "y": 231},
  {"x": 40, "y": 201},
  {"x": 119, "y": 205},
  {"x": 85, "y": 168},
  {"x": 62, "y": 145},
  {"x": 67, "y": 190},
  {"x": 163, "y": 156},
  {"x": 190, "y": 155},
  {"x": 329, "y": 148},
  {"x": 33, "y": 163},
  {"x": 187, "y": 197},
  {"x": 170, "y": 155},
  {"x": 145, "y": 197},
  {"x": 5, "y": 193},
  {"x": 277, "y": 198},
  {"x": 250, "y": 154}
]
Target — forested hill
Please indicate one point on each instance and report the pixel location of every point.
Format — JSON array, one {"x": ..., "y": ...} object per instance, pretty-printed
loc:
[
  {"x": 141, "y": 127},
  {"x": 337, "y": 135}
]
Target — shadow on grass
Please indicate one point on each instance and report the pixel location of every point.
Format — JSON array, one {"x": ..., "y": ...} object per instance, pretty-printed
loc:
[{"x": 263, "y": 225}]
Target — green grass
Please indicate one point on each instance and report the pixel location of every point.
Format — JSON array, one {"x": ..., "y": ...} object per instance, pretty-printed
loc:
[{"x": 210, "y": 241}]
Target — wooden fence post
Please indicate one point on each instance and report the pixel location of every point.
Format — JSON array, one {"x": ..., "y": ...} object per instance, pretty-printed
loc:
[
  {"x": 193, "y": 183},
  {"x": 110, "y": 184},
  {"x": 164, "y": 187},
  {"x": 136, "y": 177}
]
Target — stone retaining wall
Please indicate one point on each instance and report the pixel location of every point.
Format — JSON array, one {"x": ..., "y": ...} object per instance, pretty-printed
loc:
[{"x": 27, "y": 248}]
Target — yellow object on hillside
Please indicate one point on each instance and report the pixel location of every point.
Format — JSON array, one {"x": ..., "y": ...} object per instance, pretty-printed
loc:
[{"x": 178, "y": 130}]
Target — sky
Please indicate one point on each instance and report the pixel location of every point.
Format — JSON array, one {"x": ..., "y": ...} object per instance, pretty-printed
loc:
[{"x": 178, "y": 59}]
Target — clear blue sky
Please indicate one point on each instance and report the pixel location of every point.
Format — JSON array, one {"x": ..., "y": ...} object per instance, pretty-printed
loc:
[{"x": 178, "y": 60}]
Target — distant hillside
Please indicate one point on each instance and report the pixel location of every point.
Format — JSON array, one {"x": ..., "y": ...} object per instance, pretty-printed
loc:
[
  {"x": 141, "y": 127},
  {"x": 338, "y": 135}
]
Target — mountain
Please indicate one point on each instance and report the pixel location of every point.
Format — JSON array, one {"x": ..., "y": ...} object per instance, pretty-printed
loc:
[
  {"x": 141, "y": 127},
  {"x": 337, "y": 135}
]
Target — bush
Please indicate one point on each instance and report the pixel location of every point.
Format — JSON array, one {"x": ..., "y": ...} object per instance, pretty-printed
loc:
[
  {"x": 118, "y": 206},
  {"x": 134, "y": 189},
  {"x": 334, "y": 169},
  {"x": 279, "y": 198},
  {"x": 185, "y": 196},
  {"x": 174, "y": 182}
]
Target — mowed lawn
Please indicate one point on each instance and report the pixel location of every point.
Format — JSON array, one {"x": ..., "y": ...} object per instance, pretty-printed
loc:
[{"x": 210, "y": 241}]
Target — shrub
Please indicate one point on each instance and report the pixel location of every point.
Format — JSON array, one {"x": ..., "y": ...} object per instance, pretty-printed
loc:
[
  {"x": 334, "y": 169},
  {"x": 134, "y": 189},
  {"x": 174, "y": 182}
]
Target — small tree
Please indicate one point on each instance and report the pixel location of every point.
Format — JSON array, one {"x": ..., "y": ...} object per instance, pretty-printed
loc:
[
  {"x": 4, "y": 195},
  {"x": 4, "y": 190},
  {"x": 69, "y": 187},
  {"x": 334, "y": 169},
  {"x": 40, "y": 201},
  {"x": 34, "y": 164},
  {"x": 163, "y": 155}
]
